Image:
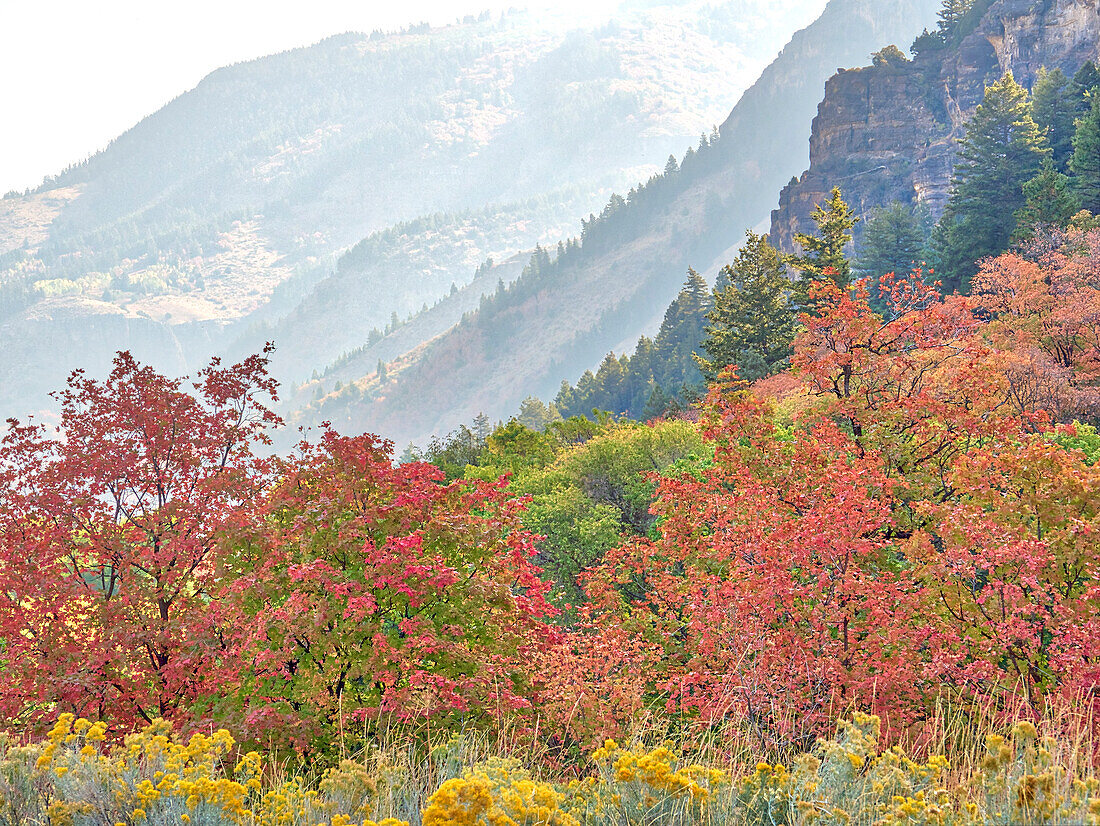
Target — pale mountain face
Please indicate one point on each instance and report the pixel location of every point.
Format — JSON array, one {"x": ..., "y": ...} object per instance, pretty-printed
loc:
[
  {"x": 563, "y": 317},
  {"x": 208, "y": 225}
]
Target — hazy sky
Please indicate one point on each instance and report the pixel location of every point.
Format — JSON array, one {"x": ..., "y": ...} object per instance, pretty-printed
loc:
[{"x": 76, "y": 73}]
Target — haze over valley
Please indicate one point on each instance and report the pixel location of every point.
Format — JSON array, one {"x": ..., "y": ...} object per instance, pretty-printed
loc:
[{"x": 312, "y": 196}]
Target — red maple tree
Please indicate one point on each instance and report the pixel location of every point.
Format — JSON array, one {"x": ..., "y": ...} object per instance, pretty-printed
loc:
[{"x": 109, "y": 529}]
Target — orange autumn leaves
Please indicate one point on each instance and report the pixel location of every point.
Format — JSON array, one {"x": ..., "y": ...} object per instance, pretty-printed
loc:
[
  {"x": 921, "y": 526},
  {"x": 918, "y": 531}
]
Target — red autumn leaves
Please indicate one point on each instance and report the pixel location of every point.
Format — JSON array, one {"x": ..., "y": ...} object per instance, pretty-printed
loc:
[
  {"x": 908, "y": 520},
  {"x": 154, "y": 565}
]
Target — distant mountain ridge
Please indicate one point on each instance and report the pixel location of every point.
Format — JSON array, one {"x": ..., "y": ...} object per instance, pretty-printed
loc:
[
  {"x": 204, "y": 227},
  {"x": 561, "y": 317}
]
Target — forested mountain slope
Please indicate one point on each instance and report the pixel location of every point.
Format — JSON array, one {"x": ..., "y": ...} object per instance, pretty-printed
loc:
[
  {"x": 613, "y": 284},
  {"x": 203, "y": 227}
]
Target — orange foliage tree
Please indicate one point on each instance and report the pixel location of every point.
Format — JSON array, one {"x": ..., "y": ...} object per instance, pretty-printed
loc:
[
  {"x": 1010, "y": 570},
  {"x": 1045, "y": 301},
  {"x": 772, "y": 590},
  {"x": 917, "y": 530}
]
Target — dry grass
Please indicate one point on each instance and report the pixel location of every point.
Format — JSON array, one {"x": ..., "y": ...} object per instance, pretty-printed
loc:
[{"x": 964, "y": 766}]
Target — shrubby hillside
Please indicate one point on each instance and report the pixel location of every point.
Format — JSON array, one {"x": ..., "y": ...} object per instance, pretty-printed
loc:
[{"x": 864, "y": 588}]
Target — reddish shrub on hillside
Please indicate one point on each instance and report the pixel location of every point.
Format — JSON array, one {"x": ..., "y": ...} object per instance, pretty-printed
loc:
[{"x": 364, "y": 593}]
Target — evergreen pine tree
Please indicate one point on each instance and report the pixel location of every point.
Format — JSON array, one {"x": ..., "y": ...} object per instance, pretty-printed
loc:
[
  {"x": 823, "y": 254},
  {"x": 657, "y": 404},
  {"x": 680, "y": 334},
  {"x": 535, "y": 414},
  {"x": 951, "y": 15},
  {"x": 1086, "y": 79},
  {"x": 1049, "y": 203},
  {"x": 482, "y": 427},
  {"x": 1002, "y": 150},
  {"x": 893, "y": 241},
  {"x": 1085, "y": 162},
  {"x": 1054, "y": 101},
  {"x": 753, "y": 320}
]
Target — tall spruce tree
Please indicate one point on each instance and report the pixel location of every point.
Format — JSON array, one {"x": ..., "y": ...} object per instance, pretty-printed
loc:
[
  {"x": 1002, "y": 150},
  {"x": 1086, "y": 79},
  {"x": 1085, "y": 163},
  {"x": 893, "y": 241},
  {"x": 753, "y": 320},
  {"x": 1054, "y": 104},
  {"x": 951, "y": 15},
  {"x": 823, "y": 255},
  {"x": 680, "y": 334},
  {"x": 1049, "y": 204}
]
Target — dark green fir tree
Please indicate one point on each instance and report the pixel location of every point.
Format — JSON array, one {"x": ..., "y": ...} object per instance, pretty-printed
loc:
[
  {"x": 1054, "y": 104},
  {"x": 1086, "y": 79},
  {"x": 823, "y": 254},
  {"x": 893, "y": 241},
  {"x": 1002, "y": 150},
  {"x": 1049, "y": 204},
  {"x": 753, "y": 320},
  {"x": 1085, "y": 163}
]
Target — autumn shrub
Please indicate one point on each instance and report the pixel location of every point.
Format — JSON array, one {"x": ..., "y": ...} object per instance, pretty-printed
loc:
[
  {"x": 918, "y": 530},
  {"x": 1011, "y": 568},
  {"x": 363, "y": 594},
  {"x": 772, "y": 594},
  {"x": 594, "y": 493},
  {"x": 1045, "y": 301}
]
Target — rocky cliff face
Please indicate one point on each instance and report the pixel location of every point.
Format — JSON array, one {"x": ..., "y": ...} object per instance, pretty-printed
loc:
[{"x": 888, "y": 133}]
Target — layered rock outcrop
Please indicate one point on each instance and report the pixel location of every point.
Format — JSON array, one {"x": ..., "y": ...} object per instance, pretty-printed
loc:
[{"x": 888, "y": 133}]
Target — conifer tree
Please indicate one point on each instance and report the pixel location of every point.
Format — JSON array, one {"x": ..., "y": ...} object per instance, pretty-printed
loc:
[
  {"x": 535, "y": 414},
  {"x": 680, "y": 334},
  {"x": 657, "y": 404},
  {"x": 951, "y": 15},
  {"x": 1054, "y": 106},
  {"x": 482, "y": 427},
  {"x": 753, "y": 321},
  {"x": 893, "y": 241},
  {"x": 1086, "y": 79},
  {"x": 1002, "y": 150},
  {"x": 823, "y": 254},
  {"x": 1049, "y": 203},
  {"x": 1085, "y": 162}
]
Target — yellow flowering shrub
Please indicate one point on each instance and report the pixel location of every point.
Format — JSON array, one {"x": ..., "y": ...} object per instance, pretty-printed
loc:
[
  {"x": 1022, "y": 781},
  {"x": 846, "y": 780},
  {"x": 643, "y": 787},
  {"x": 153, "y": 777},
  {"x": 498, "y": 792}
]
